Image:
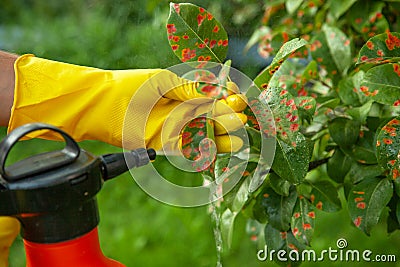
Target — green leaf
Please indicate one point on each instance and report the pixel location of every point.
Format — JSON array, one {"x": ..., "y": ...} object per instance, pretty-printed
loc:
[
  {"x": 331, "y": 49},
  {"x": 364, "y": 150},
  {"x": 291, "y": 162},
  {"x": 367, "y": 200},
  {"x": 388, "y": 147},
  {"x": 380, "y": 48},
  {"x": 195, "y": 35},
  {"x": 349, "y": 90},
  {"x": 274, "y": 239},
  {"x": 286, "y": 50},
  {"x": 338, "y": 8},
  {"x": 344, "y": 132},
  {"x": 324, "y": 196},
  {"x": 303, "y": 221},
  {"x": 280, "y": 185},
  {"x": 278, "y": 208},
  {"x": 338, "y": 166},
  {"x": 359, "y": 172},
  {"x": 360, "y": 113},
  {"x": 227, "y": 226},
  {"x": 382, "y": 84},
  {"x": 293, "y": 5}
]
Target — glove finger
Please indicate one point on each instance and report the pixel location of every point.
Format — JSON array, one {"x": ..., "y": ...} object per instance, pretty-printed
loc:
[
  {"x": 229, "y": 123},
  {"x": 228, "y": 143}
]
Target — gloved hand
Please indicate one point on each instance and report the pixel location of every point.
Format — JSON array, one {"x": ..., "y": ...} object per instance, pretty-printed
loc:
[{"x": 90, "y": 103}]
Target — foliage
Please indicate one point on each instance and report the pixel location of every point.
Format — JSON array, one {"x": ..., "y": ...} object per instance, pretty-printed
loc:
[{"x": 333, "y": 89}]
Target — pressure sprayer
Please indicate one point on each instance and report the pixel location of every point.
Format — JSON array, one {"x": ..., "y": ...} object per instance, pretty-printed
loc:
[{"x": 53, "y": 195}]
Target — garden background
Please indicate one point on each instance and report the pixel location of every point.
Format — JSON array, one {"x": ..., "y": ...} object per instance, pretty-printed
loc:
[{"x": 119, "y": 34}]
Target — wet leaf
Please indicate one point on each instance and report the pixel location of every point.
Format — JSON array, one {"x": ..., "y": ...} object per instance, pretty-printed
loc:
[
  {"x": 291, "y": 162},
  {"x": 198, "y": 144},
  {"x": 367, "y": 200},
  {"x": 303, "y": 221},
  {"x": 195, "y": 35},
  {"x": 324, "y": 196},
  {"x": 388, "y": 148},
  {"x": 382, "y": 84}
]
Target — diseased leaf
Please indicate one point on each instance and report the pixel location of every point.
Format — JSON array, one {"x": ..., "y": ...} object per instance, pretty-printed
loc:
[
  {"x": 306, "y": 106},
  {"x": 286, "y": 50},
  {"x": 195, "y": 35},
  {"x": 331, "y": 49},
  {"x": 366, "y": 201},
  {"x": 303, "y": 221},
  {"x": 388, "y": 148},
  {"x": 291, "y": 162},
  {"x": 285, "y": 111},
  {"x": 324, "y": 196},
  {"x": 382, "y": 84},
  {"x": 381, "y": 48}
]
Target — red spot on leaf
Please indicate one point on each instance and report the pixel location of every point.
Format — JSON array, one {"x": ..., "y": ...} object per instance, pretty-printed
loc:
[
  {"x": 200, "y": 19},
  {"x": 361, "y": 205},
  {"x": 396, "y": 103},
  {"x": 295, "y": 231},
  {"x": 175, "y": 47},
  {"x": 216, "y": 28},
  {"x": 171, "y": 28},
  {"x": 387, "y": 141},
  {"x": 370, "y": 45},
  {"x": 311, "y": 214},
  {"x": 307, "y": 226},
  {"x": 357, "y": 221},
  {"x": 319, "y": 205},
  {"x": 296, "y": 215}
]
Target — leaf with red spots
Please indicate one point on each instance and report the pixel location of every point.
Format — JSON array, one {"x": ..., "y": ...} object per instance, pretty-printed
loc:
[
  {"x": 367, "y": 200},
  {"x": 382, "y": 84},
  {"x": 285, "y": 111},
  {"x": 195, "y": 35},
  {"x": 306, "y": 107},
  {"x": 286, "y": 50},
  {"x": 303, "y": 221},
  {"x": 380, "y": 49},
  {"x": 331, "y": 49},
  {"x": 278, "y": 208},
  {"x": 291, "y": 162},
  {"x": 198, "y": 145},
  {"x": 388, "y": 149},
  {"x": 283, "y": 241},
  {"x": 324, "y": 196},
  {"x": 368, "y": 20}
]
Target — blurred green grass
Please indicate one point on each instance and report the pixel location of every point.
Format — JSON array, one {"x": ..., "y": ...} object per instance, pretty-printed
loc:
[{"x": 134, "y": 228}]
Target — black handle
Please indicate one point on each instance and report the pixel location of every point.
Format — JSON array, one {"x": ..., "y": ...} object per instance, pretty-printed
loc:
[{"x": 41, "y": 162}]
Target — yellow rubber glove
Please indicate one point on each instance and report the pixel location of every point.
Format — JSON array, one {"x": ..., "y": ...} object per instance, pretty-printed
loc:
[
  {"x": 9, "y": 229},
  {"x": 90, "y": 103}
]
